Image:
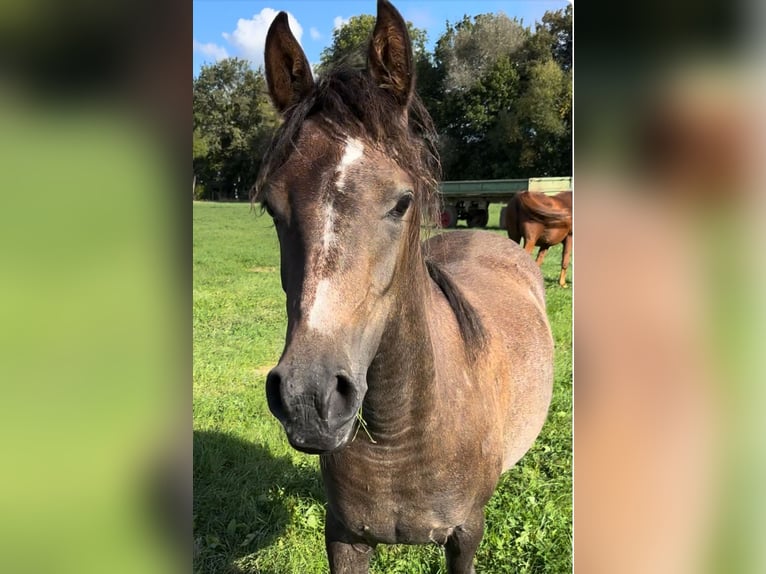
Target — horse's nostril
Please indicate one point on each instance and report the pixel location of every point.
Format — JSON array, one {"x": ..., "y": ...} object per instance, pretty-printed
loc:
[
  {"x": 343, "y": 386},
  {"x": 341, "y": 402},
  {"x": 274, "y": 395}
]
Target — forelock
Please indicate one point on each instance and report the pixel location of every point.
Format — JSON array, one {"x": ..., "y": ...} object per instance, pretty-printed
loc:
[{"x": 346, "y": 103}]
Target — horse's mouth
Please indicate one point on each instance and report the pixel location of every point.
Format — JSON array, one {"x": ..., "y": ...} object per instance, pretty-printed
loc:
[
  {"x": 314, "y": 450},
  {"x": 324, "y": 442}
]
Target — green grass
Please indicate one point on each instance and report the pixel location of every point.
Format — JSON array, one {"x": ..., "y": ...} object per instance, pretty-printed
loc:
[{"x": 259, "y": 504}]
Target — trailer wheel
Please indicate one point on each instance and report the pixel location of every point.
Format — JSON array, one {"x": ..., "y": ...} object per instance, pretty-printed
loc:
[
  {"x": 478, "y": 218},
  {"x": 503, "y": 211},
  {"x": 448, "y": 217}
]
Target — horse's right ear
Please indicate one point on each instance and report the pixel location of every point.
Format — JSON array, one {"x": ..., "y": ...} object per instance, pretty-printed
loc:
[
  {"x": 389, "y": 55},
  {"x": 288, "y": 73}
]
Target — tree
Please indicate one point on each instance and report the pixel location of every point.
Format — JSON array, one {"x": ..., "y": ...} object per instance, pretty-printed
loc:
[
  {"x": 558, "y": 26},
  {"x": 477, "y": 81},
  {"x": 503, "y": 102},
  {"x": 544, "y": 112},
  {"x": 233, "y": 122},
  {"x": 199, "y": 155},
  {"x": 349, "y": 43},
  {"x": 539, "y": 124},
  {"x": 470, "y": 49}
]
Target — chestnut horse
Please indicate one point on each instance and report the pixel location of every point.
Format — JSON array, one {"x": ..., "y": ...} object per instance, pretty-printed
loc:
[
  {"x": 542, "y": 220},
  {"x": 439, "y": 351}
]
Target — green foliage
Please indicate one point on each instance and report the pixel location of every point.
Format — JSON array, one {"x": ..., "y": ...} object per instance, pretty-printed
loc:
[
  {"x": 258, "y": 504},
  {"x": 501, "y": 97},
  {"x": 233, "y": 124},
  {"x": 539, "y": 126},
  {"x": 557, "y": 26},
  {"x": 349, "y": 43},
  {"x": 469, "y": 50}
]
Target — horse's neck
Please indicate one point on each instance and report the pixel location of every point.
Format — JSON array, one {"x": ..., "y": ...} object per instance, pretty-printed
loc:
[{"x": 401, "y": 377}]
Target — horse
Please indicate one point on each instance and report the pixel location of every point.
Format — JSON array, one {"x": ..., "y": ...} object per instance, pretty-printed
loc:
[
  {"x": 418, "y": 371},
  {"x": 544, "y": 221}
]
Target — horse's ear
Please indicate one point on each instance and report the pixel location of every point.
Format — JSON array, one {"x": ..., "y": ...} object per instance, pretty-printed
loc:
[
  {"x": 288, "y": 73},
  {"x": 390, "y": 53}
]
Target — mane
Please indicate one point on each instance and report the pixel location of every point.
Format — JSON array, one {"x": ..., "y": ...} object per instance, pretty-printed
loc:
[
  {"x": 347, "y": 102},
  {"x": 468, "y": 320}
]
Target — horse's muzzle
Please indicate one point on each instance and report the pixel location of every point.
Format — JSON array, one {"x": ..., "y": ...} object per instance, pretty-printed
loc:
[{"x": 316, "y": 408}]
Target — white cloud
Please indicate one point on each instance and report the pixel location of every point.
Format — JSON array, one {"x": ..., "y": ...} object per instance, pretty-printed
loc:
[
  {"x": 315, "y": 35},
  {"x": 249, "y": 38},
  {"x": 210, "y": 50},
  {"x": 339, "y": 22}
]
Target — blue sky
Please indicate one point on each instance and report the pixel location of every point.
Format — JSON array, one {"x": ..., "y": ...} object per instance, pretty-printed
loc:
[{"x": 238, "y": 27}]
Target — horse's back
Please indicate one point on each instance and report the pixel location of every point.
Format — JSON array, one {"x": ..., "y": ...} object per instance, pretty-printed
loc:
[{"x": 506, "y": 288}]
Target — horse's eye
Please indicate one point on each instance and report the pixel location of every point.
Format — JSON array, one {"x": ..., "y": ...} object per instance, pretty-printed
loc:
[{"x": 401, "y": 206}]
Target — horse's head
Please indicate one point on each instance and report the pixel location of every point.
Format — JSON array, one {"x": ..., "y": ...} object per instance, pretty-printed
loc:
[{"x": 344, "y": 184}]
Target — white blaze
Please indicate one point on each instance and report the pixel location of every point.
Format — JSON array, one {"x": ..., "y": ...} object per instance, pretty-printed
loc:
[
  {"x": 353, "y": 152},
  {"x": 328, "y": 236},
  {"x": 322, "y": 311}
]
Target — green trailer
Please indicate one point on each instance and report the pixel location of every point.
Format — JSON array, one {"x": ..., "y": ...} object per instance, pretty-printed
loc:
[{"x": 469, "y": 200}]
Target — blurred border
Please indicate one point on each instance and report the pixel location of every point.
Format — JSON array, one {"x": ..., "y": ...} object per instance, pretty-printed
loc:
[
  {"x": 95, "y": 290},
  {"x": 669, "y": 152}
]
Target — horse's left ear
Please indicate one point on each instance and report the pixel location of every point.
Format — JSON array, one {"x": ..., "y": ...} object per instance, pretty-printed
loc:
[{"x": 390, "y": 53}]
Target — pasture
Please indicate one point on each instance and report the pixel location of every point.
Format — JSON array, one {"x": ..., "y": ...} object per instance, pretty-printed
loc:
[{"x": 259, "y": 504}]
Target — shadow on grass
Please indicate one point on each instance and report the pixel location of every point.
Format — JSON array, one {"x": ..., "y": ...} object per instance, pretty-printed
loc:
[{"x": 241, "y": 498}]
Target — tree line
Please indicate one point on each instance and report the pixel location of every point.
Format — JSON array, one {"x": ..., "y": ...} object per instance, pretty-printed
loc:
[{"x": 499, "y": 93}]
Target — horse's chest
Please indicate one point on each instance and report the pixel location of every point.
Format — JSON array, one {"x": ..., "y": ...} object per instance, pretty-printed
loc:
[
  {"x": 394, "y": 511},
  {"x": 407, "y": 494},
  {"x": 378, "y": 523}
]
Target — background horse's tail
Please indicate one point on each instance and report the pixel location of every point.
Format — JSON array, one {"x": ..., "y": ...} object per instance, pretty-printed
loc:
[
  {"x": 512, "y": 219},
  {"x": 540, "y": 207}
]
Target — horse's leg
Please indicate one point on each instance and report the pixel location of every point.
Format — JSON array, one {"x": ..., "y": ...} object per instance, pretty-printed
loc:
[
  {"x": 541, "y": 255},
  {"x": 529, "y": 243},
  {"x": 462, "y": 544},
  {"x": 565, "y": 260},
  {"x": 345, "y": 556}
]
